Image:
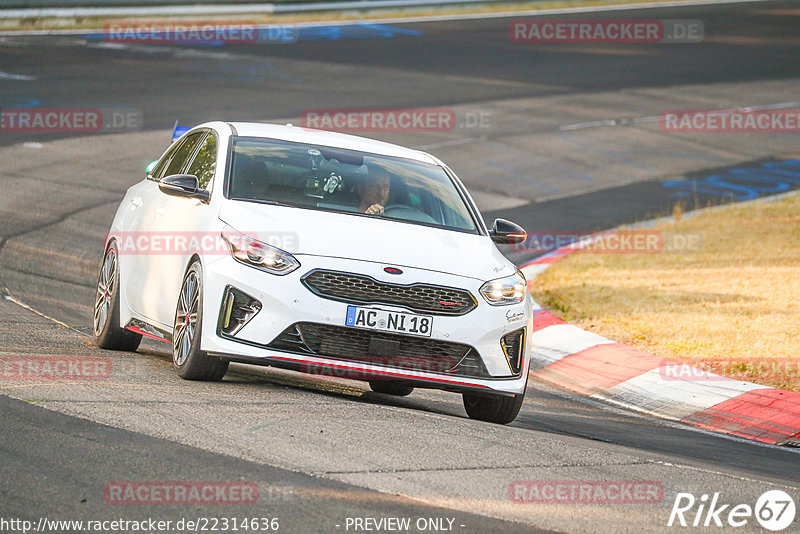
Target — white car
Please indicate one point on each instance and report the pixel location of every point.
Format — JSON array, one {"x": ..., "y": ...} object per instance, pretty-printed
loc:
[{"x": 319, "y": 252}]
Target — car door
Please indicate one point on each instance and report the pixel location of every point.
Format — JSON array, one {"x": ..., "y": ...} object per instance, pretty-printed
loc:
[
  {"x": 141, "y": 257},
  {"x": 187, "y": 222}
]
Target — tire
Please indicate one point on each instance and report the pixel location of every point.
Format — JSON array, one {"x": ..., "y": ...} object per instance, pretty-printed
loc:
[
  {"x": 390, "y": 387},
  {"x": 107, "y": 332},
  {"x": 500, "y": 410},
  {"x": 187, "y": 358}
]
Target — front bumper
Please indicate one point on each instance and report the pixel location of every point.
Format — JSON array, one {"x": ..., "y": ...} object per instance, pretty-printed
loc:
[{"x": 285, "y": 301}]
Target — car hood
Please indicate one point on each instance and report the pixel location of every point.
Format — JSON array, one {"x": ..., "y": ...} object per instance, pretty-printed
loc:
[{"x": 321, "y": 233}]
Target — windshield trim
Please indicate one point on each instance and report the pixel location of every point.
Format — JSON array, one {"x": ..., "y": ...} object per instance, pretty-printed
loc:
[{"x": 477, "y": 221}]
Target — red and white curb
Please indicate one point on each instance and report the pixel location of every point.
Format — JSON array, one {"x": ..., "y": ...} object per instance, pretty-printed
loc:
[{"x": 592, "y": 365}]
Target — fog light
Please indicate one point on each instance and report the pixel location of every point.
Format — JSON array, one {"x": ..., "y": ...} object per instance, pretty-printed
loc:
[
  {"x": 513, "y": 345},
  {"x": 237, "y": 309}
]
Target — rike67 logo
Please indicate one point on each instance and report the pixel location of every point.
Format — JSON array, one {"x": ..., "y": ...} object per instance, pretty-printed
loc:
[{"x": 774, "y": 510}]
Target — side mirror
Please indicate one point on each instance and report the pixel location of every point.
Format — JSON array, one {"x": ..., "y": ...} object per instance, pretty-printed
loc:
[
  {"x": 507, "y": 233},
  {"x": 183, "y": 185}
]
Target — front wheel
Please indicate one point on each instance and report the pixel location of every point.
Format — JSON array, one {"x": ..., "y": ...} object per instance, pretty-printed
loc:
[
  {"x": 187, "y": 358},
  {"x": 500, "y": 410},
  {"x": 108, "y": 334}
]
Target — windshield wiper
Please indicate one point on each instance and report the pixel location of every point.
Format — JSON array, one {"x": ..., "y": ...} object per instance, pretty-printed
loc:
[{"x": 264, "y": 201}]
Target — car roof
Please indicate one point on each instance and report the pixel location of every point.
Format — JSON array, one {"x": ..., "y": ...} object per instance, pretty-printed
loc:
[{"x": 300, "y": 134}]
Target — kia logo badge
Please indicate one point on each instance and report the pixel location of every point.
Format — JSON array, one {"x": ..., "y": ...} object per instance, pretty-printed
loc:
[{"x": 392, "y": 270}]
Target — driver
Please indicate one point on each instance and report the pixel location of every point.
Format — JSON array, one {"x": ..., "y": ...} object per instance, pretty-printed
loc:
[{"x": 374, "y": 191}]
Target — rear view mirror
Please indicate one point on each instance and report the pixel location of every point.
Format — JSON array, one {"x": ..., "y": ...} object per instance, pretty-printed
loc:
[
  {"x": 507, "y": 233},
  {"x": 183, "y": 185}
]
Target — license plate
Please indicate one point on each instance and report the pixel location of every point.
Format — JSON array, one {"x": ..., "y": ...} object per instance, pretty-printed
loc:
[{"x": 389, "y": 321}]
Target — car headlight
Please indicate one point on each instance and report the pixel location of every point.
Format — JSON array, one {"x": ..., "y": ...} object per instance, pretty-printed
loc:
[
  {"x": 256, "y": 254},
  {"x": 505, "y": 291}
]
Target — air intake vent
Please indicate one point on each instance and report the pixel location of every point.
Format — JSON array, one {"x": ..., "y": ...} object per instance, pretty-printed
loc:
[
  {"x": 237, "y": 309},
  {"x": 388, "y": 350},
  {"x": 513, "y": 345}
]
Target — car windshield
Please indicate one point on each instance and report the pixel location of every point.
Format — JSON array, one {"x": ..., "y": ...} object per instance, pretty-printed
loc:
[{"x": 347, "y": 181}]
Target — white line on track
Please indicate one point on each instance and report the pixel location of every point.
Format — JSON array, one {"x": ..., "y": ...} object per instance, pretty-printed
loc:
[
  {"x": 10, "y": 298},
  {"x": 721, "y": 473},
  {"x": 20, "y": 77},
  {"x": 178, "y": 51}
]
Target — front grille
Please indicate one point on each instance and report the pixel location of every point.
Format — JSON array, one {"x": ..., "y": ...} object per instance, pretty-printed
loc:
[
  {"x": 379, "y": 348},
  {"x": 362, "y": 289}
]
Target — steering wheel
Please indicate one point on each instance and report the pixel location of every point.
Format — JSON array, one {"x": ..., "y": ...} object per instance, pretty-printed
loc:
[{"x": 400, "y": 211}]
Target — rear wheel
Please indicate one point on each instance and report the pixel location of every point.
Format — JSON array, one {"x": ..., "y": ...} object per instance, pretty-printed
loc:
[
  {"x": 501, "y": 410},
  {"x": 108, "y": 334},
  {"x": 187, "y": 358},
  {"x": 390, "y": 387}
]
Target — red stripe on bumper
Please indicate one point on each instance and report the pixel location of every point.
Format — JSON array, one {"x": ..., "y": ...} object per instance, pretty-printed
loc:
[
  {"x": 146, "y": 334},
  {"x": 371, "y": 372}
]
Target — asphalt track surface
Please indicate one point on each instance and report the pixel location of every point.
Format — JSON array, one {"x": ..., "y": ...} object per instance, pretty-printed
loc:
[{"x": 323, "y": 450}]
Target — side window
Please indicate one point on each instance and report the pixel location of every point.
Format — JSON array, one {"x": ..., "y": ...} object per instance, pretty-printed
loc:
[
  {"x": 158, "y": 170},
  {"x": 205, "y": 162},
  {"x": 182, "y": 153}
]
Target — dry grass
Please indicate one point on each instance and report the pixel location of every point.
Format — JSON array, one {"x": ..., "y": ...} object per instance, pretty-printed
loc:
[{"x": 732, "y": 308}]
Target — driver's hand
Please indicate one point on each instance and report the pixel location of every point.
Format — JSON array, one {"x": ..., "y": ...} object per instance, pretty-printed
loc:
[{"x": 375, "y": 209}]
